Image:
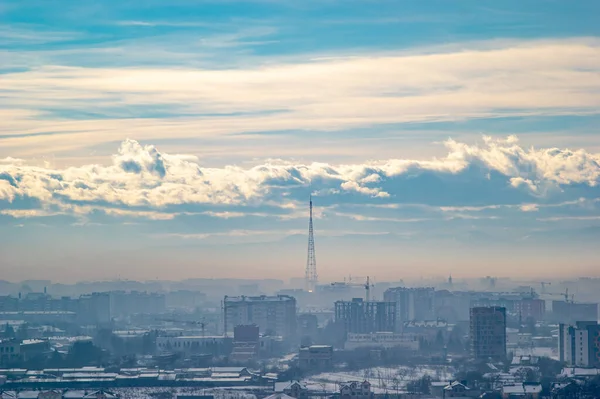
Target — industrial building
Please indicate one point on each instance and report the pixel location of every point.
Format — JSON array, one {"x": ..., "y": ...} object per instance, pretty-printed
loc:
[
  {"x": 488, "y": 332},
  {"x": 316, "y": 357},
  {"x": 358, "y": 316},
  {"x": 579, "y": 345},
  {"x": 274, "y": 315}
]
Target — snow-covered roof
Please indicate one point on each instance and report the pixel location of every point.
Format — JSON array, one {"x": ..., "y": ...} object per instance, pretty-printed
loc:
[
  {"x": 524, "y": 389},
  {"x": 279, "y": 396},
  {"x": 281, "y": 386}
]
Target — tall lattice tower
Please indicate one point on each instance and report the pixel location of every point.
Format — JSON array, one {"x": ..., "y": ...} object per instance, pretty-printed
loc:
[{"x": 311, "y": 276}]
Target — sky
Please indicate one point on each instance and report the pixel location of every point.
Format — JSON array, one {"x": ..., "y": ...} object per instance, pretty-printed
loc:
[{"x": 183, "y": 139}]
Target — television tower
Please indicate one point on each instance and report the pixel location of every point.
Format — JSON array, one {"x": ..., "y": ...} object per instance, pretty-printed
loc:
[{"x": 311, "y": 277}]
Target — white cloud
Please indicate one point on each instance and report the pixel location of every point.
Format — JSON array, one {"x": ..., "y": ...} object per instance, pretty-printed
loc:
[{"x": 144, "y": 182}]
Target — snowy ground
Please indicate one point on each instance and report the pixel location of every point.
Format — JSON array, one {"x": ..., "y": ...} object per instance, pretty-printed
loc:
[
  {"x": 171, "y": 393},
  {"x": 542, "y": 352},
  {"x": 382, "y": 379}
]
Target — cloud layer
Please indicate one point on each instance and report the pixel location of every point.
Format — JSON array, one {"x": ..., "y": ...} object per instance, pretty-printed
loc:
[{"x": 144, "y": 182}]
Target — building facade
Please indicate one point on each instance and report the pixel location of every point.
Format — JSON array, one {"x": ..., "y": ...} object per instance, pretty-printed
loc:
[
  {"x": 274, "y": 315},
  {"x": 412, "y": 304},
  {"x": 316, "y": 357},
  {"x": 488, "y": 332},
  {"x": 358, "y": 316},
  {"x": 531, "y": 309},
  {"x": 579, "y": 345},
  {"x": 382, "y": 340}
]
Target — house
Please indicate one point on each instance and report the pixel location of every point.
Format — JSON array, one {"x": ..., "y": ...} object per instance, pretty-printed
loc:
[
  {"x": 279, "y": 396},
  {"x": 456, "y": 389},
  {"x": 525, "y": 390},
  {"x": 295, "y": 389},
  {"x": 356, "y": 390}
]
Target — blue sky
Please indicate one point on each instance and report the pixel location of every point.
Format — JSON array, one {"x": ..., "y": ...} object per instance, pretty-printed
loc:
[{"x": 152, "y": 140}]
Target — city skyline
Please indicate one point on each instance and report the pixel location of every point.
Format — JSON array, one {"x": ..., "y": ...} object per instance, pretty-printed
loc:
[{"x": 183, "y": 141}]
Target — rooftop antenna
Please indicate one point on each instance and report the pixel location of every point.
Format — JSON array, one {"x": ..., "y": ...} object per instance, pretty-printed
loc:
[{"x": 311, "y": 276}]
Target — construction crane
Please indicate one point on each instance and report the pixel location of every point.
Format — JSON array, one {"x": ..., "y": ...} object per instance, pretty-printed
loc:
[
  {"x": 366, "y": 285},
  {"x": 565, "y": 295}
]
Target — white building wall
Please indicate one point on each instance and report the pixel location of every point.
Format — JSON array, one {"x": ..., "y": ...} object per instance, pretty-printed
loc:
[{"x": 581, "y": 348}]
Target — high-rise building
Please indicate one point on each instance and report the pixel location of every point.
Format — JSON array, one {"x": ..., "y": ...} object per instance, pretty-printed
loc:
[
  {"x": 274, "y": 315},
  {"x": 412, "y": 304},
  {"x": 579, "y": 345},
  {"x": 488, "y": 332},
  {"x": 358, "y": 316},
  {"x": 531, "y": 309}
]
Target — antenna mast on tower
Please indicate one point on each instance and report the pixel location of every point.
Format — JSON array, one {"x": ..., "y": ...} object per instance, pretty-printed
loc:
[{"x": 311, "y": 277}]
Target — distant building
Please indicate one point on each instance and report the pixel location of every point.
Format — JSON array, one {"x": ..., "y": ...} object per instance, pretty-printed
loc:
[
  {"x": 308, "y": 326},
  {"x": 358, "y": 316},
  {"x": 382, "y": 340},
  {"x": 412, "y": 303},
  {"x": 579, "y": 345},
  {"x": 318, "y": 357},
  {"x": 531, "y": 309},
  {"x": 570, "y": 312},
  {"x": 214, "y": 345},
  {"x": 274, "y": 315},
  {"x": 452, "y": 306},
  {"x": 488, "y": 333},
  {"x": 94, "y": 308},
  {"x": 135, "y": 302}
]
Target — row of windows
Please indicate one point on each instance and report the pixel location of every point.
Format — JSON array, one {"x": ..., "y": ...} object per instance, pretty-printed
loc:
[{"x": 7, "y": 349}]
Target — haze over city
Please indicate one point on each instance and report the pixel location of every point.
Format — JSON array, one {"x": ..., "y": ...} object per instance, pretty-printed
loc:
[{"x": 299, "y": 199}]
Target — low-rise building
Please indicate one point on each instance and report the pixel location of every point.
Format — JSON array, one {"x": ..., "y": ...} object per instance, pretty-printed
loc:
[
  {"x": 10, "y": 351},
  {"x": 382, "y": 340},
  {"x": 295, "y": 389},
  {"x": 316, "y": 357},
  {"x": 525, "y": 390},
  {"x": 214, "y": 345},
  {"x": 31, "y": 348}
]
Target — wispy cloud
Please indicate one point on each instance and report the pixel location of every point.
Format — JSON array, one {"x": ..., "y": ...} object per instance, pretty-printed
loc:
[{"x": 524, "y": 79}]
